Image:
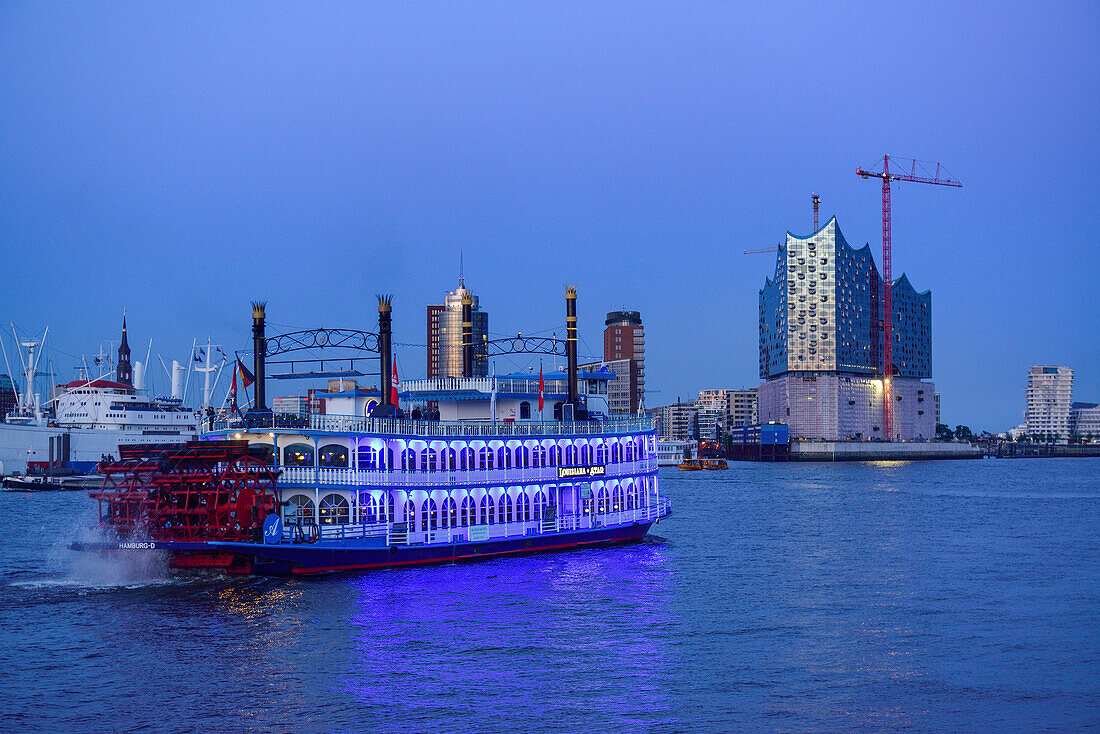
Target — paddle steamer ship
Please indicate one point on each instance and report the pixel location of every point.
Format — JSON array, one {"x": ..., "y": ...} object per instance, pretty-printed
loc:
[{"x": 282, "y": 494}]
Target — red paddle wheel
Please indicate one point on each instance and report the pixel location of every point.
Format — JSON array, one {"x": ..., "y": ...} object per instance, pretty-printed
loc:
[{"x": 192, "y": 493}]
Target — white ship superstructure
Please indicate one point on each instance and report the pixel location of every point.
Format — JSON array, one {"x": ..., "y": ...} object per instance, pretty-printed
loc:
[{"x": 90, "y": 420}]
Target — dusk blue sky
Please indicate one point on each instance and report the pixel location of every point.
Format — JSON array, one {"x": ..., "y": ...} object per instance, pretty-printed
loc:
[{"x": 180, "y": 159}]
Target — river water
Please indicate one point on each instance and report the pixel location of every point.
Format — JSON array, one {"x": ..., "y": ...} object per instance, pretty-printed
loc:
[{"x": 934, "y": 596}]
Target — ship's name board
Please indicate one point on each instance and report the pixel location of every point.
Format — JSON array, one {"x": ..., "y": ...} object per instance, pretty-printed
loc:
[{"x": 596, "y": 470}]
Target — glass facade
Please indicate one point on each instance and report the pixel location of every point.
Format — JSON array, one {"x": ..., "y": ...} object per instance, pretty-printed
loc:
[{"x": 821, "y": 312}]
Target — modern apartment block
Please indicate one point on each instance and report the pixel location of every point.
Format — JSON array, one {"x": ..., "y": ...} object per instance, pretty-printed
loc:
[
  {"x": 445, "y": 335},
  {"x": 1049, "y": 400},
  {"x": 821, "y": 344},
  {"x": 293, "y": 404},
  {"x": 725, "y": 409},
  {"x": 621, "y": 389},
  {"x": 1084, "y": 422},
  {"x": 624, "y": 338},
  {"x": 677, "y": 421}
]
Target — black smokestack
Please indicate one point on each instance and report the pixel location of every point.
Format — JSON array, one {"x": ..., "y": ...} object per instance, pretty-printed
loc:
[
  {"x": 385, "y": 409},
  {"x": 467, "y": 336},
  {"x": 571, "y": 342},
  {"x": 385, "y": 354},
  {"x": 259, "y": 352}
]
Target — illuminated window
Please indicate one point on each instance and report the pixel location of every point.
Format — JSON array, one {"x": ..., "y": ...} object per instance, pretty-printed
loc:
[
  {"x": 334, "y": 509},
  {"x": 332, "y": 455},
  {"x": 298, "y": 454},
  {"x": 299, "y": 511}
]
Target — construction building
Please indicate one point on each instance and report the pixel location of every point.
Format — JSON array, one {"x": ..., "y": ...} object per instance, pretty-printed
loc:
[{"x": 821, "y": 345}]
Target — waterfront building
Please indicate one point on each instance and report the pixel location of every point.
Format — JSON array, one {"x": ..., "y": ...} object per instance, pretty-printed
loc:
[
  {"x": 445, "y": 335},
  {"x": 1049, "y": 397},
  {"x": 292, "y": 404},
  {"x": 7, "y": 396},
  {"x": 937, "y": 398},
  {"x": 1084, "y": 419},
  {"x": 624, "y": 338},
  {"x": 622, "y": 389},
  {"x": 725, "y": 409},
  {"x": 678, "y": 421},
  {"x": 821, "y": 344}
]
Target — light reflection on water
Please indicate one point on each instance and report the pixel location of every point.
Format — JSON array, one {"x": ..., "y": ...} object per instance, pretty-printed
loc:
[{"x": 923, "y": 596}]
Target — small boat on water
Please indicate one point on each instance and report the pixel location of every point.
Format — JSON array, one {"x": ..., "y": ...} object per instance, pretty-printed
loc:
[{"x": 698, "y": 464}]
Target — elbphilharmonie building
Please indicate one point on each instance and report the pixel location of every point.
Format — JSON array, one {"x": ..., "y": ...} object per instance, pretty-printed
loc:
[{"x": 821, "y": 344}]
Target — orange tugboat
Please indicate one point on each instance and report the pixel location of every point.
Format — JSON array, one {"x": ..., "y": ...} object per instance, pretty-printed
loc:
[{"x": 697, "y": 464}]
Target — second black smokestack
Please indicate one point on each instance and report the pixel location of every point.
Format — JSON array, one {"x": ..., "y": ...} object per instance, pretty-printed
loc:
[
  {"x": 571, "y": 343},
  {"x": 259, "y": 352}
]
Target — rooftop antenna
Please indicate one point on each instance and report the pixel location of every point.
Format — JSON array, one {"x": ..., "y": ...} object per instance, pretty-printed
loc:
[
  {"x": 461, "y": 276},
  {"x": 816, "y": 200}
]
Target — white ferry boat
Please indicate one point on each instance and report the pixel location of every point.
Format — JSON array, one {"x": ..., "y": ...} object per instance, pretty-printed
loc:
[
  {"x": 672, "y": 453},
  {"x": 90, "y": 419}
]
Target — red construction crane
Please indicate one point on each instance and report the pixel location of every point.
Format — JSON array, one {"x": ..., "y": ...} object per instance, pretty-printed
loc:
[{"x": 918, "y": 172}]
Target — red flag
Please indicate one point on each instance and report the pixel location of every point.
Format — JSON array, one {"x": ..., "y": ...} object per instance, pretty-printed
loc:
[
  {"x": 540, "y": 387},
  {"x": 396, "y": 384}
]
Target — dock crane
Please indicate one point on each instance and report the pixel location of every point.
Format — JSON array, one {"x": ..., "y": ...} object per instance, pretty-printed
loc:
[{"x": 917, "y": 172}]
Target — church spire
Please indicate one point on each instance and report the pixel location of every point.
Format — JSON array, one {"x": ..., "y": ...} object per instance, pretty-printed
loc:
[{"x": 123, "y": 372}]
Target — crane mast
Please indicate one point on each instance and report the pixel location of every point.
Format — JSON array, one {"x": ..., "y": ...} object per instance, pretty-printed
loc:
[{"x": 925, "y": 174}]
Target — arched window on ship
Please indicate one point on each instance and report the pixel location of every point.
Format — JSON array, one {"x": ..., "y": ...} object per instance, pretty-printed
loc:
[
  {"x": 298, "y": 454},
  {"x": 450, "y": 513},
  {"x": 430, "y": 517},
  {"x": 468, "y": 515},
  {"x": 332, "y": 455},
  {"x": 299, "y": 511},
  {"x": 334, "y": 509}
]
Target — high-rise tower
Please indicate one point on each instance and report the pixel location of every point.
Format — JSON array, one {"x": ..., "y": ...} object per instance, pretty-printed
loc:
[
  {"x": 445, "y": 335},
  {"x": 624, "y": 339}
]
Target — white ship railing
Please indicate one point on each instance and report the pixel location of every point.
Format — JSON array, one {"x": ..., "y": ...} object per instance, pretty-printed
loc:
[
  {"x": 317, "y": 476},
  {"x": 427, "y": 429},
  {"x": 398, "y": 534}
]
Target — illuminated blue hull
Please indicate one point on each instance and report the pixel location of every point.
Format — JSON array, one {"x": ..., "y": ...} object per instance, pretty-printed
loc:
[
  {"x": 328, "y": 556},
  {"x": 287, "y": 559}
]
